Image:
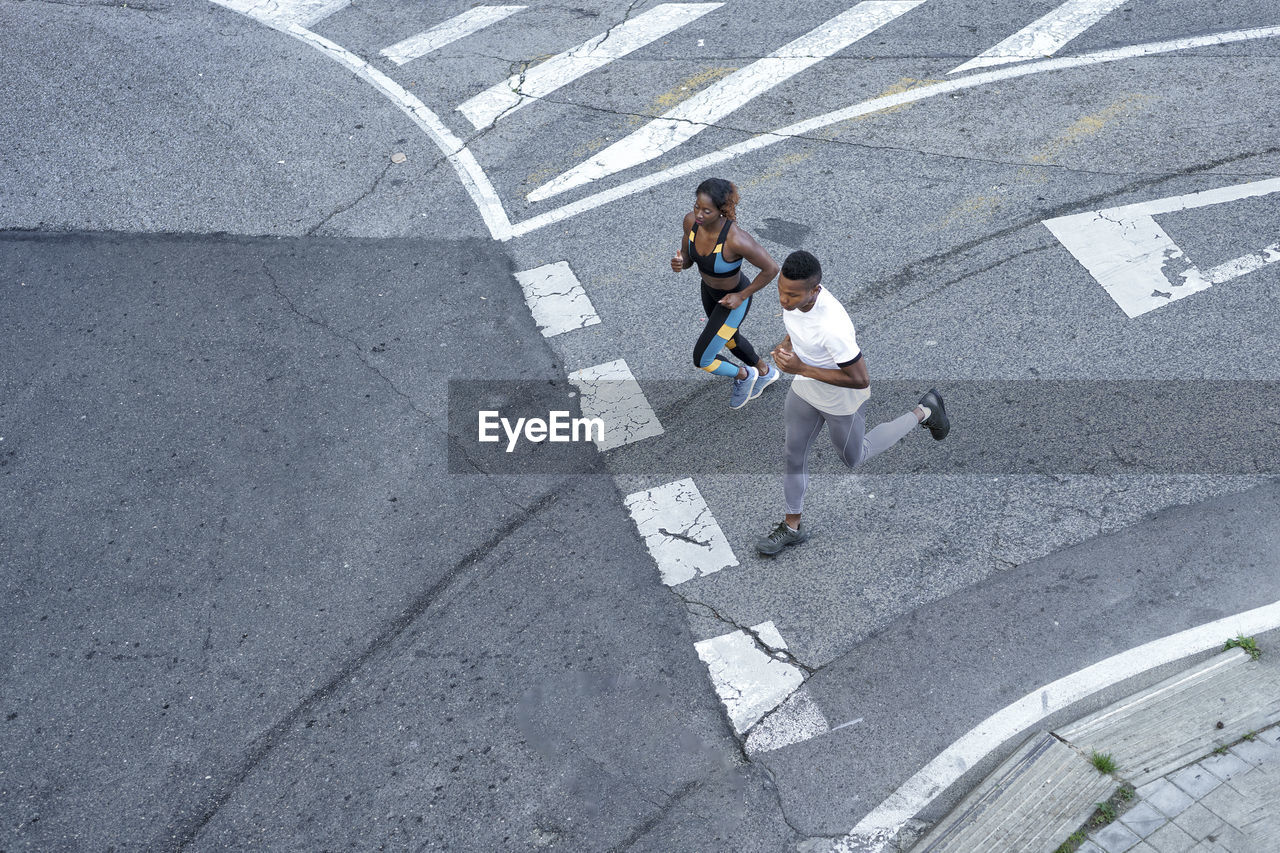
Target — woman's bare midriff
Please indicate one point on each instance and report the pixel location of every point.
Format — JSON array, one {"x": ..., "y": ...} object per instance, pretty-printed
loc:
[{"x": 725, "y": 284}]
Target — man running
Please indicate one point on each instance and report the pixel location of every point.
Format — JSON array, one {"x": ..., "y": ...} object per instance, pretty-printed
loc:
[{"x": 830, "y": 385}]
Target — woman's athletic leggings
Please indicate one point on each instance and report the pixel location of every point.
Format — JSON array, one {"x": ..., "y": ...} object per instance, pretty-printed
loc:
[
  {"x": 722, "y": 331},
  {"x": 804, "y": 422}
]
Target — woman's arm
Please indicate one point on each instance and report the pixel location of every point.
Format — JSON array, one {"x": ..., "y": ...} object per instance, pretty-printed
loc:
[
  {"x": 746, "y": 246},
  {"x": 681, "y": 261}
]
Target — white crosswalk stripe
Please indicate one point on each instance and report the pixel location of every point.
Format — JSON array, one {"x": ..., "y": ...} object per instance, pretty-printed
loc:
[
  {"x": 557, "y": 299},
  {"x": 508, "y": 96},
  {"x": 681, "y": 534},
  {"x": 795, "y": 720},
  {"x": 610, "y": 392},
  {"x": 1046, "y": 36},
  {"x": 303, "y": 13},
  {"x": 750, "y": 681},
  {"x": 715, "y": 102},
  {"x": 458, "y": 27}
]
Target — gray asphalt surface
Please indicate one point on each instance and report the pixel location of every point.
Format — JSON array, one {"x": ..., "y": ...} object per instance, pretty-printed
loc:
[
  {"x": 246, "y": 603},
  {"x": 187, "y": 119},
  {"x": 921, "y": 682}
]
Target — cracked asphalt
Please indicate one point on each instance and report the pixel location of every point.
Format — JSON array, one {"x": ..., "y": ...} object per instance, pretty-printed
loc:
[{"x": 256, "y": 594}]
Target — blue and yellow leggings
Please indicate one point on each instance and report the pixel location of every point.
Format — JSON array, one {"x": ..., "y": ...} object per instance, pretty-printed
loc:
[{"x": 722, "y": 331}]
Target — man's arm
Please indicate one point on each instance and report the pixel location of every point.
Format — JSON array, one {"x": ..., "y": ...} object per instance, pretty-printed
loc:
[{"x": 852, "y": 374}]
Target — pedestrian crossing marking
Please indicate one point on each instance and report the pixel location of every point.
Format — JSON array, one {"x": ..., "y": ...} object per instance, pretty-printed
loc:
[
  {"x": 557, "y": 299},
  {"x": 696, "y": 114},
  {"x": 541, "y": 80},
  {"x": 303, "y": 13},
  {"x": 1046, "y": 36},
  {"x": 750, "y": 681},
  {"x": 681, "y": 534},
  {"x": 283, "y": 15},
  {"x": 458, "y": 27},
  {"x": 610, "y": 392}
]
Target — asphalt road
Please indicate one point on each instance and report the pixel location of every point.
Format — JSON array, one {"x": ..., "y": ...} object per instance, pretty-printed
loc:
[{"x": 146, "y": 351}]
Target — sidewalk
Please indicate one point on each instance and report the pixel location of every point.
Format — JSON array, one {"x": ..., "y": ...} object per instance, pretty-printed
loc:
[
  {"x": 1189, "y": 764},
  {"x": 1228, "y": 801}
]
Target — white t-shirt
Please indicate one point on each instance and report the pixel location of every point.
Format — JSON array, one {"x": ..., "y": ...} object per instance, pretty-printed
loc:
[{"x": 823, "y": 336}]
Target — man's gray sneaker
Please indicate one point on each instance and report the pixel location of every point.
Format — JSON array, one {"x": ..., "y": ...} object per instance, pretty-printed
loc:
[
  {"x": 742, "y": 389},
  {"x": 781, "y": 537}
]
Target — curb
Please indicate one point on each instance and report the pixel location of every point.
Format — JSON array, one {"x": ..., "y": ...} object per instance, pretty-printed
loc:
[{"x": 1043, "y": 796}]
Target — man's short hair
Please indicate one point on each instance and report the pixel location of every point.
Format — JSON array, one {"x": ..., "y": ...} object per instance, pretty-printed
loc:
[{"x": 801, "y": 265}]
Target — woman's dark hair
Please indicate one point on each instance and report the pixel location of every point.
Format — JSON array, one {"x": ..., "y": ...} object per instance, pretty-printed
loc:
[
  {"x": 723, "y": 195},
  {"x": 800, "y": 266}
]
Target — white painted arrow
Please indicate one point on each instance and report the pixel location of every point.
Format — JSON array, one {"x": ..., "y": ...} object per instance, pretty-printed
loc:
[
  {"x": 1046, "y": 36},
  {"x": 714, "y": 103},
  {"x": 1132, "y": 257}
]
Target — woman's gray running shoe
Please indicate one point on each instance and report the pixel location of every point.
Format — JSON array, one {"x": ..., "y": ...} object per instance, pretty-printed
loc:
[
  {"x": 765, "y": 380},
  {"x": 781, "y": 537},
  {"x": 742, "y": 389}
]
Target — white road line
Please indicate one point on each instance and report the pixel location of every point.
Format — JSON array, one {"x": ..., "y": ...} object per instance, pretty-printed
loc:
[
  {"x": 1137, "y": 263},
  {"x": 875, "y": 831},
  {"x": 695, "y": 114},
  {"x": 478, "y": 186},
  {"x": 1046, "y": 36},
  {"x": 800, "y": 129},
  {"x": 282, "y": 13},
  {"x": 458, "y": 27},
  {"x": 557, "y": 299},
  {"x": 795, "y": 720},
  {"x": 681, "y": 534},
  {"x": 611, "y": 393},
  {"x": 473, "y": 178},
  {"x": 519, "y": 89},
  {"x": 750, "y": 682}
]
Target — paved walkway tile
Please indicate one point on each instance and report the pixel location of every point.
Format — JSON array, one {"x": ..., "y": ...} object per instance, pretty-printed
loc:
[
  {"x": 1165, "y": 796},
  {"x": 1198, "y": 822},
  {"x": 1195, "y": 781},
  {"x": 1170, "y": 839},
  {"x": 1225, "y": 766},
  {"x": 1115, "y": 838},
  {"x": 1228, "y": 802},
  {"x": 1143, "y": 819},
  {"x": 1255, "y": 751}
]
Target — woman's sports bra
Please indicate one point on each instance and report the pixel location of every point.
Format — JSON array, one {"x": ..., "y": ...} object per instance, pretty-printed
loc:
[{"x": 714, "y": 263}]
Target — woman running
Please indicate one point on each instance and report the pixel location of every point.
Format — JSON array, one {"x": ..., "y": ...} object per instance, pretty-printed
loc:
[{"x": 713, "y": 241}]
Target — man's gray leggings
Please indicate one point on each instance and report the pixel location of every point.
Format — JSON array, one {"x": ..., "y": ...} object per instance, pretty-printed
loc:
[{"x": 804, "y": 422}]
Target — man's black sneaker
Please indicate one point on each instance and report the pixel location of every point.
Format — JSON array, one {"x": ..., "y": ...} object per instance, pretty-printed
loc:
[
  {"x": 781, "y": 537},
  {"x": 937, "y": 423}
]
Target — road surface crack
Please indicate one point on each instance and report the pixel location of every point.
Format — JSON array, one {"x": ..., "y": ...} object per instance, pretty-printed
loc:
[
  {"x": 673, "y": 534},
  {"x": 188, "y": 823},
  {"x": 780, "y": 655},
  {"x": 626, "y": 16},
  {"x": 345, "y": 207},
  {"x": 651, "y": 822},
  {"x": 347, "y": 339}
]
